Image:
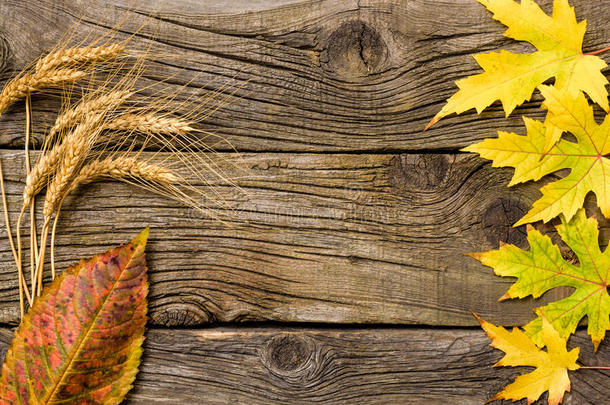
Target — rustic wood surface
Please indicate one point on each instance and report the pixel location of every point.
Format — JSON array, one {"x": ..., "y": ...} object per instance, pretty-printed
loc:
[
  {"x": 283, "y": 365},
  {"x": 347, "y": 212},
  {"x": 309, "y": 238},
  {"x": 312, "y": 75}
]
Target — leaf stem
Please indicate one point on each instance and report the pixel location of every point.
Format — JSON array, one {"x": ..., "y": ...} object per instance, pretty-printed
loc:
[
  {"x": 598, "y": 51},
  {"x": 596, "y": 367}
]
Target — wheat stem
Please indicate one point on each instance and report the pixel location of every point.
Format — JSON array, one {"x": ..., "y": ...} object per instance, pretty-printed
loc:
[
  {"x": 22, "y": 283},
  {"x": 19, "y": 262},
  {"x": 34, "y": 245},
  {"x": 54, "y": 69},
  {"x": 37, "y": 275},
  {"x": 6, "y": 218},
  {"x": 33, "y": 241},
  {"x": 27, "y": 168},
  {"x": 53, "y": 231}
]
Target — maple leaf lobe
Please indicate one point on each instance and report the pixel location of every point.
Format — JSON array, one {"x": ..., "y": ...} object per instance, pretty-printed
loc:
[
  {"x": 543, "y": 268},
  {"x": 551, "y": 366},
  {"x": 586, "y": 158}
]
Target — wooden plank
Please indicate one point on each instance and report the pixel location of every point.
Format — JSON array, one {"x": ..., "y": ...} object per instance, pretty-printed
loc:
[
  {"x": 311, "y": 238},
  {"x": 314, "y": 75},
  {"x": 271, "y": 365}
]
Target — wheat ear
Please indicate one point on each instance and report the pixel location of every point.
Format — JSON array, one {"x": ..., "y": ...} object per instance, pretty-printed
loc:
[
  {"x": 73, "y": 116},
  {"x": 149, "y": 123},
  {"x": 72, "y": 152},
  {"x": 47, "y": 162},
  {"x": 121, "y": 168},
  {"x": 79, "y": 56},
  {"x": 56, "y": 68},
  {"x": 28, "y": 83}
]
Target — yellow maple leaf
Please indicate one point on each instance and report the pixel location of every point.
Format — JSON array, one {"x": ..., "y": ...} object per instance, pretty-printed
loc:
[
  {"x": 587, "y": 158},
  {"x": 551, "y": 373},
  {"x": 512, "y": 78}
]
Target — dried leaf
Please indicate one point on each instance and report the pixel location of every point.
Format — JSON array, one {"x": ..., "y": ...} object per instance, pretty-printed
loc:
[
  {"x": 552, "y": 366},
  {"x": 587, "y": 158},
  {"x": 81, "y": 341},
  {"x": 542, "y": 268},
  {"x": 512, "y": 78}
]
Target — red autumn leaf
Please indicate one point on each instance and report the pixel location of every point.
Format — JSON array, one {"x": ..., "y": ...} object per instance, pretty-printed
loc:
[{"x": 81, "y": 342}]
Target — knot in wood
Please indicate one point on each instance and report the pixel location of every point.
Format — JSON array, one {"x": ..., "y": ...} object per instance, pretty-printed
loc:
[
  {"x": 354, "y": 50},
  {"x": 5, "y": 55},
  {"x": 498, "y": 219},
  {"x": 418, "y": 172},
  {"x": 286, "y": 354},
  {"x": 294, "y": 360},
  {"x": 180, "y": 314}
]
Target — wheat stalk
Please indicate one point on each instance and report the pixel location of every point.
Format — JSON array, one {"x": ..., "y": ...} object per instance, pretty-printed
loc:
[
  {"x": 60, "y": 67},
  {"x": 72, "y": 152},
  {"x": 82, "y": 135},
  {"x": 48, "y": 74},
  {"x": 22, "y": 87}
]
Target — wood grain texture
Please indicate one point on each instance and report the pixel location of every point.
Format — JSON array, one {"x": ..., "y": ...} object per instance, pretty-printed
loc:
[
  {"x": 309, "y": 238},
  {"x": 313, "y": 75},
  {"x": 270, "y": 365}
]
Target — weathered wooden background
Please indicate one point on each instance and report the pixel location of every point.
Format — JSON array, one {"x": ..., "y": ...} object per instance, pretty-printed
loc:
[{"x": 344, "y": 251}]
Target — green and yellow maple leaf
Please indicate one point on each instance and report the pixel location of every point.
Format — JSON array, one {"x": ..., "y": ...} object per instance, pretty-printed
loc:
[
  {"x": 587, "y": 158},
  {"x": 552, "y": 366},
  {"x": 512, "y": 78},
  {"x": 542, "y": 268}
]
